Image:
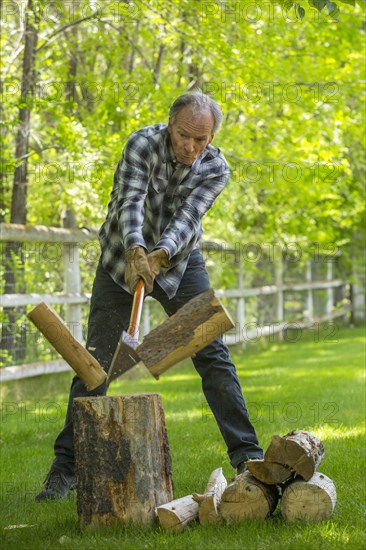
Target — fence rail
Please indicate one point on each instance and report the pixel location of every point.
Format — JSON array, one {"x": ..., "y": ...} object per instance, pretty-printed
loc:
[{"x": 68, "y": 242}]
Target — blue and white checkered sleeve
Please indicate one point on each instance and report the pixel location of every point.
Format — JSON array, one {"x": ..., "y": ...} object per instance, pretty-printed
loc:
[
  {"x": 131, "y": 179},
  {"x": 186, "y": 221}
]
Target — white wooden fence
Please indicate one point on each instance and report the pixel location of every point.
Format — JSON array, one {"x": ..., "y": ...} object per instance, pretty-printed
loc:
[{"x": 70, "y": 240}]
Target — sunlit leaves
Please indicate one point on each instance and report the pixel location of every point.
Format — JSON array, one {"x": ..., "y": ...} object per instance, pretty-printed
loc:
[{"x": 288, "y": 77}]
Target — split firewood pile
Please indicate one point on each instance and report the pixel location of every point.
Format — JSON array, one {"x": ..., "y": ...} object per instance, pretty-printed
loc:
[{"x": 287, "y": 474}]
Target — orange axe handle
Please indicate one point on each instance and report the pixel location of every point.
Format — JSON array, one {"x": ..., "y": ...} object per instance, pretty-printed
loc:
[{"x": 138, "y": 299}]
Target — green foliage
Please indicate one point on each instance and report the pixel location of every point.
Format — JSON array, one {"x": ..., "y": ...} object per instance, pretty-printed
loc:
[
  {"x": 291, "y": 87},
  {"x": 332, "y": 8}
]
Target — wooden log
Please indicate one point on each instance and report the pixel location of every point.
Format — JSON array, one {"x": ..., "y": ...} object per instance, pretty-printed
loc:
[
  {"x": 122, "y": 459},
  {"x": 209, "y": 502},
  {"x": 190, "y": 329},
  {"x": 312, "y": 500},
  {"x": 177, "y": 514},
  {"x": 270, "y": 473},
  {"x": 56, "y": 332},
  {"x": 247, "y": 498},
  {"x": 300, "y": 451}
]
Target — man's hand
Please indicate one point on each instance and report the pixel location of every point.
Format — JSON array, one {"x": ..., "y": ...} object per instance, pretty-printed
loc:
[
  {"x": 138, "y": 268},
  {"x": 157, "y": 259}
]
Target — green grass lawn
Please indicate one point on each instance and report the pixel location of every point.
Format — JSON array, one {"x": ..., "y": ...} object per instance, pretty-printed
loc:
[{"x": 315, "y": 384}]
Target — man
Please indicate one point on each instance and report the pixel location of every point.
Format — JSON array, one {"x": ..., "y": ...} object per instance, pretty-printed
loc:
[{"x": 167, "y": 179}]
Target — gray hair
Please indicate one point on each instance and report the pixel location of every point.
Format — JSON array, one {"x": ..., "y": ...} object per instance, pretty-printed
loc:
[{"x": 200, "y": 103}]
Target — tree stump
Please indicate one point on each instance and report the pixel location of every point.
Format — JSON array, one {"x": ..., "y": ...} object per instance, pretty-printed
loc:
[
  {"x": 122, "y": 459},
  {"x": 299, "y": 451},
  {"x": 247, "y": 498},
  {"x": 312, "y": 500}
]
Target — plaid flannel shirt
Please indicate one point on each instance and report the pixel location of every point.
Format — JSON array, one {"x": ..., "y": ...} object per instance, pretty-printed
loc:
[{"x": 155, "y": 204}]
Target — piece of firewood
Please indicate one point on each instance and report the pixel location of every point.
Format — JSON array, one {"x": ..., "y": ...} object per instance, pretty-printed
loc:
[
  {"x": 122, "y": 459},
  {"x": 312, "y": 500},
  {"x": 209, "y": 502},
  {"x": 195, "y": 325},
  {"x": 175, "y": 515},
  {"x": 300, "y": 451},
  {"x": 56, "y": 332},
  {"x": 270, "y": 473},
  {"x": 247, "y": 498}
]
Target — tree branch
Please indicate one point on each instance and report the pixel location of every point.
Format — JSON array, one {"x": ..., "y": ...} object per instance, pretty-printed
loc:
[{"x": 64, "y": 27}]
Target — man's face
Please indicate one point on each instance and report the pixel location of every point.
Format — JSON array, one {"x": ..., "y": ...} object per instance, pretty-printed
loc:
[{"x": 190, "y": 134}]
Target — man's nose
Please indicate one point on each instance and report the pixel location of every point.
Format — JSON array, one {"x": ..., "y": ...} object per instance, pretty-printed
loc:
[{"x": 189, "y": 146}]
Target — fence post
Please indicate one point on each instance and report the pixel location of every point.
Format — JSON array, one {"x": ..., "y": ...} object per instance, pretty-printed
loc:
[
  {"x": 309, "y": 296},
  {"x": 279, "y": 294},
  {"x": 357, "y": 291},
  {"x": 240, "y": 304},
  {"x": 329, "y": 305},
  {"x": 72, "y": 279}
]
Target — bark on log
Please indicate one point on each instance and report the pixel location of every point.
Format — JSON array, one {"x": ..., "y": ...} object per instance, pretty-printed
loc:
[
  {"x": 299, "y": 451},
  {"x": 270, "y": 473},
  {"x": 175, "y": 515},
  {"x": 190, "y": 329},
  {"x": 56, "y": 332},
  {"x": 209, "y": 502},
  {"x": 312, "y": 500},
  {"x": 247, "y": 498},
  {"x": 122, "y": 459}
]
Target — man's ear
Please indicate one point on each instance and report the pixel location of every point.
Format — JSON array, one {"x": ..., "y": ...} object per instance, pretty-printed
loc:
[
  {"x": 170, "y": 126},
  {"x": 211, "y": 138}
]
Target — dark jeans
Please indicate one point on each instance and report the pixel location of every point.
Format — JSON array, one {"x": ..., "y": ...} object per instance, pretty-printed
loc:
[{"x": 109, "y": 316}]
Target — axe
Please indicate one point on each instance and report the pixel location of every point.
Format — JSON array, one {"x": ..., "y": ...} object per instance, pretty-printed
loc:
[
  {"x": 195, "y": 325},
  {"x": 125, "y": 356}
]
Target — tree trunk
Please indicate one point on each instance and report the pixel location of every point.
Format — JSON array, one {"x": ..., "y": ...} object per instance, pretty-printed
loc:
[
  {"x": 312, "y": 500},
  {"x": 122, "y": 459},
  {"x": 13, "y": 251},
  {"x": 247, "y": 498},
  {"x": 19, "y": 196},
  {"x": 72, "y": 39},
  {"x": 159, "y": 63},
  {"x": 132, "y": 55}
]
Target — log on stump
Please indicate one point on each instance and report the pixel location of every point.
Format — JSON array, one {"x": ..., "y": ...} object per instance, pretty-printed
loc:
[
  {"x": 122, "y": 459},
  {"x": 312, "y": 500},
  {"x": 247, "y": 498},
  {"x": 270, "y": 473},
  {"x": 175, "y": 515},
  {"x": 298, "y": 450},
  {"x": 209, "y": 502},
  {"x": 195, "y": 325}
]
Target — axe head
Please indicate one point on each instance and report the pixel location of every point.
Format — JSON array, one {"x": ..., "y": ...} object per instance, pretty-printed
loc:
[{"x": 125, "y": 357}]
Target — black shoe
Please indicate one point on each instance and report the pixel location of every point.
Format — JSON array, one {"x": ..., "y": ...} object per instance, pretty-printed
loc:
[
  {"x": 241, "y": 468},
  {"x": 57, "y": 486}
]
